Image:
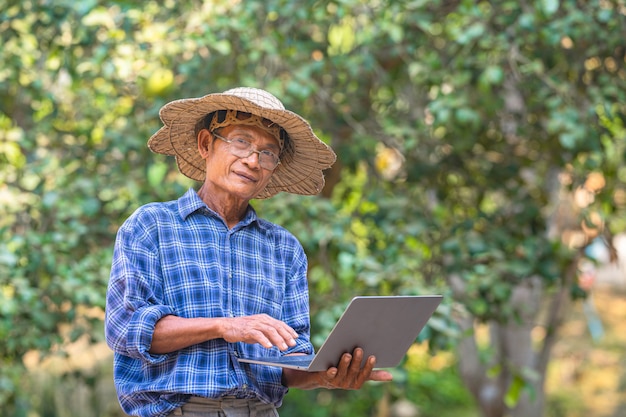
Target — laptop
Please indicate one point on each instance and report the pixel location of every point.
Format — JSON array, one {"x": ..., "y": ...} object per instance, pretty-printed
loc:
[{"x": 383, "y": 326}]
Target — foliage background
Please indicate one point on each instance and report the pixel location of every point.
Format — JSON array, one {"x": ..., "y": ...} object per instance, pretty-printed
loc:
[{"x": 461, "y": 127}]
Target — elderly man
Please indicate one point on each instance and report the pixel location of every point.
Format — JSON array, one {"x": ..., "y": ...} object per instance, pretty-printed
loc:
[{"x": 199, "y": 281}]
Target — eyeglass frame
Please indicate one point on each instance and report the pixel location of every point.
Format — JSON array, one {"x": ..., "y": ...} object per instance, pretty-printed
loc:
[{"x": 251, "y": 149}]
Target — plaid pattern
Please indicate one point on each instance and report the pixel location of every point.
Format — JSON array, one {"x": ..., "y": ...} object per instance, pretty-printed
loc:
[{"x": 180, "y": 258}]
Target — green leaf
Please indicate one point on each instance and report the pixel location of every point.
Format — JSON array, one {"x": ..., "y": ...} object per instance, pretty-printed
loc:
[
  {"x": 493, "y": 75},
  {"x": 13, "y": 154},
  {"x": 549, "y": 7},
  {"x": 156, "y": 174},
  {"x": 568, "y": 140},
  {"x": 514, "y": 392}
]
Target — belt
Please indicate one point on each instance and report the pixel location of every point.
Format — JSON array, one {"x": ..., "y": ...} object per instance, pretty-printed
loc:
[{"x": 236, "y": 405}]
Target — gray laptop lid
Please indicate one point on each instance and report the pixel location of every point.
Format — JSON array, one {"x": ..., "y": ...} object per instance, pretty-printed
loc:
[{"x": 383, "y": 326}]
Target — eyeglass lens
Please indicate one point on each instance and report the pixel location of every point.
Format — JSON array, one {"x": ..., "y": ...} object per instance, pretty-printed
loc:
[{"x": 243, "y": 149}]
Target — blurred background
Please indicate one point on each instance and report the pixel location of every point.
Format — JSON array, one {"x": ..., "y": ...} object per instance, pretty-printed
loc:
[{"x": 481, "y": 155}]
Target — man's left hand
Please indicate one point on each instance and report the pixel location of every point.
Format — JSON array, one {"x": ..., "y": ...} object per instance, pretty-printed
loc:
[{"x": 348, "y": 374}]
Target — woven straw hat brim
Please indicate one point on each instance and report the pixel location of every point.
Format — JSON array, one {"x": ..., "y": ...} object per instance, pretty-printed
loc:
[{"x": 302, "y": 160}]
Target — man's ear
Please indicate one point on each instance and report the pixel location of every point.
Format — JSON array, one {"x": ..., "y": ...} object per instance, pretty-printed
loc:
[{"x": 204, "y": 139}]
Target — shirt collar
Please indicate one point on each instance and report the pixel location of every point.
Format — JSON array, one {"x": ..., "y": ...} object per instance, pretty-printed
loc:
[{"x": 190, "y": 202}]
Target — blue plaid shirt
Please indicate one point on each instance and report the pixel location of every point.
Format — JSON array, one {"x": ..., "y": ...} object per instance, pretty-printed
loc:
[{"x": 179, "y": 258}]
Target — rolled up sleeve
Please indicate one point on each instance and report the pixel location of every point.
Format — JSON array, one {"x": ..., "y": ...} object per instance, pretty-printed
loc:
[{"x": 134, "y": 295}]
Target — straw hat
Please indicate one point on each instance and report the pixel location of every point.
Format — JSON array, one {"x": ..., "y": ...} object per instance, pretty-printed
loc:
[{"x": 302, "y": 159}]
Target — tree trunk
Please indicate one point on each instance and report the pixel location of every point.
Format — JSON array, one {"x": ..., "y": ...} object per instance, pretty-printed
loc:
[
  {"x": 513, "y": 352},
  {"x": 488, "y": 392},
  {"x": 517, "y": 339}
]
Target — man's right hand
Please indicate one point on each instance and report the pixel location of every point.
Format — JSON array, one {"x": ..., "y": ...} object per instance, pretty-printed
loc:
[{"x": 261, "y": 328}]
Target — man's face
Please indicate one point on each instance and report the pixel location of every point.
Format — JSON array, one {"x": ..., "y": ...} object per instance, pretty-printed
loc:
[{"x": 242, "y": 178}]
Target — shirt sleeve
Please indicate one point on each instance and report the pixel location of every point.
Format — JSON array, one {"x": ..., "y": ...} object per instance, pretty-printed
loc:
[
  {"x": 296, "y": 306},
  {"x": 134, "y": 295}
]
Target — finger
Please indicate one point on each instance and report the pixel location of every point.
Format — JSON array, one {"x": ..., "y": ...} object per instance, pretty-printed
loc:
[
  {"x": 280, "y": 326},
  {"x": 343, "y": 366},
  {"x": 288, "y": 334},
  {"x": 257, "y": 336},
  {"x": 349, "y": 371},
  {"x": 265, "y": 330},
  {"x": 381, "y": 376},
  {"x": 357, "y": 359},
  {"x": 280, "y": 337},
  {"x": 365, "y": 372},
  {"x": 370, "y": 363},
  {"x": 247, "y": 330},
  {"x": 278, "y": 331}
]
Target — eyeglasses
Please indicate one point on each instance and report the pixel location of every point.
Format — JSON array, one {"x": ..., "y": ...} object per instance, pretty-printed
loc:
[{"x": 242, "y": 149}]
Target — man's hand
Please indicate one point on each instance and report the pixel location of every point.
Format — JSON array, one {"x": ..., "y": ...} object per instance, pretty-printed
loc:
[
  {"x": 260, "y": 328},
  {"x": 348, "y": 374}
]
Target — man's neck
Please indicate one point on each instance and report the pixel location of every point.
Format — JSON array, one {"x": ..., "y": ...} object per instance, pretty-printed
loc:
[{"x": 230, "y": 208}]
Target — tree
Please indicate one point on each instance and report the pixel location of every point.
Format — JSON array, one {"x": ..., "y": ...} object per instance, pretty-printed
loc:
[
  {"x": 498, "y": 113},
  {"x": 75, "y": 109},
  {"x": 454, "y": 122},
  {"x": 489, "y": 105}
]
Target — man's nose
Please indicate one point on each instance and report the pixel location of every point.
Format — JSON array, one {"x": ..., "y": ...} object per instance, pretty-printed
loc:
[{"x": 253, "y": 159}]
